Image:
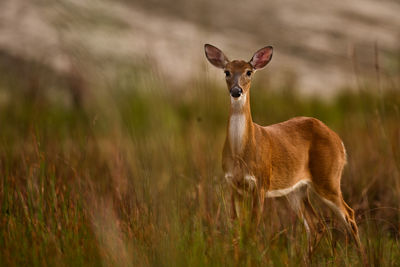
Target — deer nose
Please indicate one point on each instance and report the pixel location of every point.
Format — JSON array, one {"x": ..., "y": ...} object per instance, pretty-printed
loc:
[{"x": 236, "y": 91}]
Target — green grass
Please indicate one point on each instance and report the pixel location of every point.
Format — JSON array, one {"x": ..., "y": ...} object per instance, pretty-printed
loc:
[{"x": 133, "y": 177}]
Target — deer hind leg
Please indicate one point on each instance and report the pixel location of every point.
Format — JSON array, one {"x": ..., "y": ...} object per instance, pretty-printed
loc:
[
  {"x": 296, "y": 202},
  {"x": 351, "y": 221},
  {"x": 300, "y": 204},
  {"x": 315, "y": 223},
  {"x": 344, "y": 212},
  {"x": 326, "y": 166}
]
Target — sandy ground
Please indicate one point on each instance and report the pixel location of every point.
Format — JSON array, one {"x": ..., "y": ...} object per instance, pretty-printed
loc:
[{"x": 313, "y": 39}]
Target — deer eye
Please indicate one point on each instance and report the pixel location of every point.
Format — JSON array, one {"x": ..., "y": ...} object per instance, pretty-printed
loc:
[
  {"x": 227, "y": 73},
  {"x": 249, "y": 72}
]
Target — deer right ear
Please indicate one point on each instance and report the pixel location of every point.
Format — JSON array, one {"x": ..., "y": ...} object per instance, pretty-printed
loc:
[{"x": 215, "y": 56}]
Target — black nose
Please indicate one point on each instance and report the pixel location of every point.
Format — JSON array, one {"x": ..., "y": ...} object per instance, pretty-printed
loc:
[{"x": 236, "y": 91}]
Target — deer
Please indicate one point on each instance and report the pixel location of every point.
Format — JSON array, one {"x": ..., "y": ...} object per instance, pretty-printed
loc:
[{"x": 290, "y": 158}]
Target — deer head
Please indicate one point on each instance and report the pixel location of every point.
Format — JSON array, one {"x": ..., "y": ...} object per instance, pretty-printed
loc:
[{"x": 238, "y": 73}]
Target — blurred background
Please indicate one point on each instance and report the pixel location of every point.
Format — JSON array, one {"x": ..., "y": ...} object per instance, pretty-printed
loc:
[
  {"x": 321, "y": 44},
  {"x": 112, "y": 124}
]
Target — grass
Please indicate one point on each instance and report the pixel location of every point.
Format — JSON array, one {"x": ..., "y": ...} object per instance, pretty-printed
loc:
[{"x": 133, "y": 178}]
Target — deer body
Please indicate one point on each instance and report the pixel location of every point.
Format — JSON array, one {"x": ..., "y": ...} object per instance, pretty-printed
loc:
[
  {"x": 280, "y": 159},
  {"x": 281, "y": 155}
]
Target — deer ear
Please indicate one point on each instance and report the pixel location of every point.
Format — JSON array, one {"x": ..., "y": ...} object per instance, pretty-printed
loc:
[
  {"x": 261, "y": 57},
  {"x": 215, "y": 56}
]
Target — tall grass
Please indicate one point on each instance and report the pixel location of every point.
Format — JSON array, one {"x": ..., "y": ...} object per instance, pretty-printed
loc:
[{"x": 133, "y": 177}]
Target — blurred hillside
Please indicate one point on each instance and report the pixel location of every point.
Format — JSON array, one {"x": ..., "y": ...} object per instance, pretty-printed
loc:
[{"x": 322, "y": 45}]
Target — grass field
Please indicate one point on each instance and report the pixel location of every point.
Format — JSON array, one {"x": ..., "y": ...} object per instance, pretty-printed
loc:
[{"x": 132, "y": 176}]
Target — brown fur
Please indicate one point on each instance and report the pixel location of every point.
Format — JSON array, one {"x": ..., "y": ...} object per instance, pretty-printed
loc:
[{"x": 280, "y": 155}]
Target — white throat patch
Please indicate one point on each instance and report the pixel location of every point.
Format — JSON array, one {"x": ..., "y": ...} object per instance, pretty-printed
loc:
[
  {"x": 237, "y": 124},
  {"x": 238, "y": 103}
]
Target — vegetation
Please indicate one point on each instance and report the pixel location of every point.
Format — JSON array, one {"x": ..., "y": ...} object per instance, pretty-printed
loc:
[{"x": 132, "y": 176}]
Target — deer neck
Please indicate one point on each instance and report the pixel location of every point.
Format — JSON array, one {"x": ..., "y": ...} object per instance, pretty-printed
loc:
[{"x": 240, "y": 125}]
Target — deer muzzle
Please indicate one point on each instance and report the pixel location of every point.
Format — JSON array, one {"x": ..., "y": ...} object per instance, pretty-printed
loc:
[{"x": 236, "y": 91}]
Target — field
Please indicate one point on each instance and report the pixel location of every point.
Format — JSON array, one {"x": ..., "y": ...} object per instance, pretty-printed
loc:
[{"x": 129, "y": 174}]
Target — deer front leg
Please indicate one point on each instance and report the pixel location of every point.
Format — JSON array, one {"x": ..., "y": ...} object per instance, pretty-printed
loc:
[
  {"x": 237, "y": 206},
  {"x": 234, "y": 217},
  {"x": 258, "y": 206},
  {"x": 236, "y": 198},
  {"x": 234, "y": 213}
]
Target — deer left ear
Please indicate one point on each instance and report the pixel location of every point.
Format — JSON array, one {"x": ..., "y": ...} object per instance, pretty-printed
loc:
[{"x": 261, "y": 57}]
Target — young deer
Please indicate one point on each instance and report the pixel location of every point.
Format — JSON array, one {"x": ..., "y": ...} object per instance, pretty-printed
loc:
[{"x": 280, "y": 159}]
